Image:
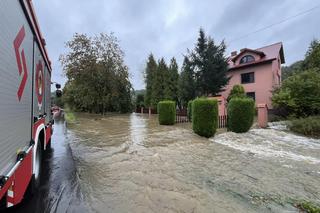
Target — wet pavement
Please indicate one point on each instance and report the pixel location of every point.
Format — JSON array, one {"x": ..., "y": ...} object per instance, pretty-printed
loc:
[
  {"x": 59, "y": 191},
  {"x": 129, "y": 163}
]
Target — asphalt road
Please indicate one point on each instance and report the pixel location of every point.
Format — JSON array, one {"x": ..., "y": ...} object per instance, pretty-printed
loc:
[{"x": 59, "y": 190}]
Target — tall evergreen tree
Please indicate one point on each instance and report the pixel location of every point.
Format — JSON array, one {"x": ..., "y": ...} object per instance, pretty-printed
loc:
[
  {"x": 171, "y": 88},
  {"x": 210, "y": 65},
  {"x": 150, "y": 71},
  {"x": 159, "y": 83},
  {"x": 186, "y": 83}
]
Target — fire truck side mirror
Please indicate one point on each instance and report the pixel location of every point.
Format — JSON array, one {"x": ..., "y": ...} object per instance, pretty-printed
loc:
[
  {"x": 58, "y": 86},
  {"x": 58, "y": 93}
]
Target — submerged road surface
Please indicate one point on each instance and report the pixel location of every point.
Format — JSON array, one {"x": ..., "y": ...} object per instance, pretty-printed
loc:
[
  {"x": 129, "y": 163},
  {"x": 59, "y": 191}
]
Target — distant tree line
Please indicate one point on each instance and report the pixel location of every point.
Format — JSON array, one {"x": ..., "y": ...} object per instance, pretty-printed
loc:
[
  {"x": 203, "y": 73},
  {"x": 97, "y": 78}
]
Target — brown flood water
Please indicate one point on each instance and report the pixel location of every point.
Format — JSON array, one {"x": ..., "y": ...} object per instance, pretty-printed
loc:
[{"x": 129, "y": 163}]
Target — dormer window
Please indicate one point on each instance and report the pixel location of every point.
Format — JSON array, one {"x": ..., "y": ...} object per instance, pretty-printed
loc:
[{"x": 246, "y": 59}]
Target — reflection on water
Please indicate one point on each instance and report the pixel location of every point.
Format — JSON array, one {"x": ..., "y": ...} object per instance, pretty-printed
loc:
[{"x": 129, "y": 163}]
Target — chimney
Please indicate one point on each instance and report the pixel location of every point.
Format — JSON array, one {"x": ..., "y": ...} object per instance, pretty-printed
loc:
[{"x": 234, "y": 53}]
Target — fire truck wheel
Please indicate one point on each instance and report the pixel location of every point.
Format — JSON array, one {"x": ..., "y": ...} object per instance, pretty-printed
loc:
[
  {"x": 35, "y": 179},
  {"x": 48, "y": 146}
]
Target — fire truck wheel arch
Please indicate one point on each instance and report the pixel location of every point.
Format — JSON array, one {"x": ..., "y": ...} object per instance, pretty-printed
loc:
[{"x": 37, "y": 140}]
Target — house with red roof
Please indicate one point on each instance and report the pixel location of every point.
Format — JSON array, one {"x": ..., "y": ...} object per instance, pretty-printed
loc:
[{"x": 257, "y": 70}]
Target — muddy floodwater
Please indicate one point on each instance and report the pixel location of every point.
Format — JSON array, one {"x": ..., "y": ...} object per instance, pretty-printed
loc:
[{"x": 129, "y": 163}]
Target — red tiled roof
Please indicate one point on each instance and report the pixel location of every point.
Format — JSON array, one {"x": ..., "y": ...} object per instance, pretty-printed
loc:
[{"x": 271, "y": 52}]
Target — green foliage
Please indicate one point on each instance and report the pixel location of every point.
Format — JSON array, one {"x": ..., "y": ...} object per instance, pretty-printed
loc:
[
  {"x": 211, "y": 65},
  {"x": 240, "y": 114},
  {"x": 186, "y": 83},
  {"x": 205, "y": 117},
  {"x": 69, "y": 116},
  {"x": 150, "y": 71},
  {"x": 98, "y": 80},
  {"x": 299, "y": 94},
  {"x": 171, "y": 88},
  {"x": 312, "y": 60},
  {"x": 140, "y": 101},
  {"x": 287, "y": 71},
  {"x": 309, "y": 207},
  {"x": 159, "y": 83},
  {"x": 237, "y": 91},
  {"x": 189, "y": 110},
  {"x": 167, "y": 112},
  {"x": 309, "y": 126}
]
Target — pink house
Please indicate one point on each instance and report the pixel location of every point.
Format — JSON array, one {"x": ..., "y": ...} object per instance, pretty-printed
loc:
[{"x": 258, "y": 71}]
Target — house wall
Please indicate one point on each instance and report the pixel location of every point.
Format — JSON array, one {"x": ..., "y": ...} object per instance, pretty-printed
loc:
[{"x": 264, "y": 80}]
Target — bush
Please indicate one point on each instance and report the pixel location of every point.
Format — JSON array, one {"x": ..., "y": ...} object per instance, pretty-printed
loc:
[
  {"x": 167, "y": 112},
  {"x": 189, "y": 112},
  {"x": 237, "y": 91},
  {"x": 299, "y": 94},
  {"x": 205, "y": 116},
  {"x": 240, "y": 114},
  {"x": 309, "y": 126},
  {"x": 309, "y": 207}
]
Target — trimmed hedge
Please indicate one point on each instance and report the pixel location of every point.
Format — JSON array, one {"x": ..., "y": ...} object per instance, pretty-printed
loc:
[
  {"x": 205, "y": 116},
  {"x": 189, "y": 112},
  {"x": 240, "y": 114},
  {"x": 167, "y": 112}
]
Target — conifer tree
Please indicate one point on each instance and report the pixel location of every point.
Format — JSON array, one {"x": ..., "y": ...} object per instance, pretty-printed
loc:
[
  {"x": 186, "y": 83},
  {"x": 210, "y": 65},
  {"x": 149, "y": 76}
]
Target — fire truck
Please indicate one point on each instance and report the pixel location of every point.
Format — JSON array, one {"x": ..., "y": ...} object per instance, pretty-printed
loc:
[{"x": 25, "y": 110}]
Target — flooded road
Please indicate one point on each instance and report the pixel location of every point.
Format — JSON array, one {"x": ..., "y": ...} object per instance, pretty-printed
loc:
[
  {"x": 59, "y": 190},
  {"x": 129, "y": 163}
]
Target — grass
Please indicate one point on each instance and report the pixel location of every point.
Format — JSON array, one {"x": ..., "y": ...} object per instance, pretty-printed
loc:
[
  {"x": 69, "y": 116},
  {"x": 308, "y": 207},
  {"x": 309, "y": 126}
]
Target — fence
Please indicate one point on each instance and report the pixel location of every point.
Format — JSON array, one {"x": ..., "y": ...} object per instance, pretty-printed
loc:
[
  {"x": 145, "y": 110},
  {"x": 222, "y": 121},
  {"x": 182, "y": 116}
]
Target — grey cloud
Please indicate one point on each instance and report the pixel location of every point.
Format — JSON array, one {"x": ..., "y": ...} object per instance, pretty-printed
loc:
[{"x": 167, "y": 28}]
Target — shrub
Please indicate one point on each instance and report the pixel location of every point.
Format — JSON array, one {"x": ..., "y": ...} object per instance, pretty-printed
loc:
[
  {"x": 237, "y": 91},
  {"x": 309, "y": 126},
  {"x": 205, "y": 116},
  {"x": 309, "y": 207},
  {"x": 240, "y": 114},
  {"x": 189, "y": 112},
  {"x": 167, "y": 112},
  {"x": 299, "y": 94}
]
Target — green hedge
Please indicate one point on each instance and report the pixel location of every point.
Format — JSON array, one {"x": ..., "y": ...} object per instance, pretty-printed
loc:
[
  {"x": 309, "y": 126},
  {"x": 167, "y": 112},
  {"x": 205, "y": 116},
  {"x": 240, "y": 114},
  {"x": 189, "y": 112}
]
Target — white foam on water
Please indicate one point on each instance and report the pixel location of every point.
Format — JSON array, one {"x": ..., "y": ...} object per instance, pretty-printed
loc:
[{"x": 271, "y": 143}]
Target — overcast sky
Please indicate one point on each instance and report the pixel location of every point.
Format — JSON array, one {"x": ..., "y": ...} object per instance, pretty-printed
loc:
[{"x": 168, "y": 27}]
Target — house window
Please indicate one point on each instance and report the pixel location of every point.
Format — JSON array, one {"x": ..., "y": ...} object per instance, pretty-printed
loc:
[
  {"x": 246, "y": 59},
  {"x": 252, "y": 95},
  {"x": 247, "y": 78}
]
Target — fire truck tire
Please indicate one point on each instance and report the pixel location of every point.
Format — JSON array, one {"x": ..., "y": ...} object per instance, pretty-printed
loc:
[
  {"x": 35, "y": 179},
  {"x": 48, "y": 146}
]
